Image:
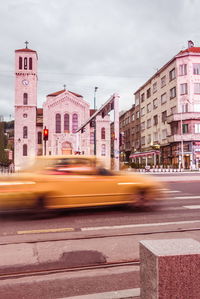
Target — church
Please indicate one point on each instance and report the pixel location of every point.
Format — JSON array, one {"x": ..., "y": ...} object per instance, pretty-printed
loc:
[{"x": 62, "y": 114}]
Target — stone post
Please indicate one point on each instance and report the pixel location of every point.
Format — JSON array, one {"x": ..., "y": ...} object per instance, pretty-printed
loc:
[{"x": 170, "y": 269}]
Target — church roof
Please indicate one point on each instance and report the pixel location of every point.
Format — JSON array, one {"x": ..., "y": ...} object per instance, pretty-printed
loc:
[
  {"x": 25, "y": 50},
  {"x": 54, "y": 94}
]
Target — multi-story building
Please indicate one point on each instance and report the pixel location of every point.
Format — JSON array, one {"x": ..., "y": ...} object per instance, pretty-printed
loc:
[{"x": 169, "y": 107}]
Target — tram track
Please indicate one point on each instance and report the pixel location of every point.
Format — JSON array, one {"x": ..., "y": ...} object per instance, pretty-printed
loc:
[{"x": 22, "y": 274}]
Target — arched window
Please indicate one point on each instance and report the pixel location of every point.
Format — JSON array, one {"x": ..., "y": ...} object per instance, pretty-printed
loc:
[
  {"x": 103, "y": 133},
  {"x": 25, "y": 132},
  {"x": 58, "y": 123},
  {"x": 25, "y": 98},
  {"x": 66, "y": 123},
  {"x": 39, "y": 137},
  {"x": 30, "y": 63},
  {"x": 25, "y": 150},
  {"x": 25, "y": 63},
  {"x": 74, "y": 122},
  {"x": 20, "y": 63}
]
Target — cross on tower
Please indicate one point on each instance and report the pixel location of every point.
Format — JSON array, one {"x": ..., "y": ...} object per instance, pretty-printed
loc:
[
  {"x": 26, "y": 44},
  {"x": 64, "y": 86}
]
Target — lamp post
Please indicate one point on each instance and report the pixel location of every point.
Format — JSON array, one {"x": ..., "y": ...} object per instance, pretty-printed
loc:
[{"x": 95, "y": 146}]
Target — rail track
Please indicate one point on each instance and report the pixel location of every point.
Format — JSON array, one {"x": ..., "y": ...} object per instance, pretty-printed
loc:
[{"x": 13, "y": 275}]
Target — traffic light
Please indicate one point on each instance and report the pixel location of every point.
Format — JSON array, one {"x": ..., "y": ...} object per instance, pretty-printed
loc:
[{"x": 45, "y": 134}]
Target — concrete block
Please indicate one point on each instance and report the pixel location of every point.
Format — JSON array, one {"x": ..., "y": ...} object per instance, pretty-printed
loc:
[{"x": 170, "y": 269}]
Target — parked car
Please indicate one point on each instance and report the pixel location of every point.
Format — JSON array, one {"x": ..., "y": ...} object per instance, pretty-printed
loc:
[{"x": 56, "y": 182}]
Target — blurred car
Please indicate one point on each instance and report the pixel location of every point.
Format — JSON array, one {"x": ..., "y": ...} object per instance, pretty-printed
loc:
[{"x": 56, "y": 182}]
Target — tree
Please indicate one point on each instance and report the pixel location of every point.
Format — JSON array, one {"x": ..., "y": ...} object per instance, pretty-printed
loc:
[{"x": 4, "y": 161}]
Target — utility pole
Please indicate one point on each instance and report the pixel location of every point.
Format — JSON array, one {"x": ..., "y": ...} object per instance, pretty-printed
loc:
[{"x": 95, "y": 141}]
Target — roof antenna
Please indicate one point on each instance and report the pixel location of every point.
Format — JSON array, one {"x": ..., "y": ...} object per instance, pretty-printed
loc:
[{"x": 64, "y": 86}]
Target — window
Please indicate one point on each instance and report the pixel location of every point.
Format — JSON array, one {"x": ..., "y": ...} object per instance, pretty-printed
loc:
[
  {"x": 39, "y": 137},
  {"x": 25, "y": 63},
  {"x": 197, "y": 88},
  {"x": 163, "y": 98},
  {"x": 185, "y": 128},
  {"x": 172, "y": 75},
  {"x": 164, "y": 116},
  {"x": 103, "y": 133},
  {"x": 183, "y": 88},
  {"x": 74, "y": 122},
  {"x": 173, "y": 110},
  {"x": 155, "y": 136},
  {"x": 155, "y": 103},
  {"x": 25, "y": 115},
  {"x": 30, "y": 63},
  {"x": 154, "y": 87},
  {"x": 25, "y": 98},
  {"x": 148, "y": 93},
  {"x": 172, "y": 92},
  {"x": 58, "y": 123},
  {"x": 133, "y": 117},
  {"x": 25, "y": 132},
  {"x": 197, "y": 128},
  {"x": 149, "y": 139},
  {"x": 143, "y": 140},
  {"x": 137, "y": 99},
  {"x": 149, "y": 107},
  {"x": 164, "y": 134},
  {"x": 142, "y": 97},
  {"x": 183, "y": 69},
  {"x": 20, "y": 63},
  {"x": 143, "y": 125},
  {"x": 196, "y": 68},
  {"x": 148, "y": 123},
  {"x": 66, "y": 123},
  {"x": 137, "y": 114},
  {"x": 143, "y": 111},
  {"x": 196, "y": 107},
  {"x": 155, "y": 120},
  {"x": 185, "y": 107},
  {"x": 163, "y": 81},
  {"x": 103, "y": 150},
  {"x": 25, "y": 150}
]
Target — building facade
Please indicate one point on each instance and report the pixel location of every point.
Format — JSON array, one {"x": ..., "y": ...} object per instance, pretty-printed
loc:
[
  {"x": 62, "y": 114},
  {"x": 169, "y": 107}
]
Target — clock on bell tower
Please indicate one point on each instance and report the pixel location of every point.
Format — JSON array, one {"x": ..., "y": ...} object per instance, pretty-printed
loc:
[{"x": 25, "y": 104}]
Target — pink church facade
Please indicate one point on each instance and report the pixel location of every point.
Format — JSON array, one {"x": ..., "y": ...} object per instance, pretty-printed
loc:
[{"x": 62, "y": 114}]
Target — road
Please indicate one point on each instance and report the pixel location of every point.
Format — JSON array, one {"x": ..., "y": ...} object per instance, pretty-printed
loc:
[{"x": 112, "y": 232}]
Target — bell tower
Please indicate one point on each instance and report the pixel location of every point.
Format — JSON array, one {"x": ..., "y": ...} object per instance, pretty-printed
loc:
[{"x": 25, "y": 104}]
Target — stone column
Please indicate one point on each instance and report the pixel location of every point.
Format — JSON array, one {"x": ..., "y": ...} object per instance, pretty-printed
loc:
[{"x": 170, "y": 269}]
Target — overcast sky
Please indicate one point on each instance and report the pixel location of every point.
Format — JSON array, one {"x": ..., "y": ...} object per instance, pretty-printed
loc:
[{"x": 113, "y": 44}]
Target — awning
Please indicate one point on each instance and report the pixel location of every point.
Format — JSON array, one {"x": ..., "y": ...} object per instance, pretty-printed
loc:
[{"x": 145, "y": 154}]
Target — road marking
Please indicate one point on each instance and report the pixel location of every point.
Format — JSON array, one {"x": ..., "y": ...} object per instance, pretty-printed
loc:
[
  {"x": 50, "y": 230},
  {"x": 137, "y": 225},
  {"x": 186, "y": 197},
  {"x": 129, "y": 293},
  {"x": 171, "y": 191},
  {"x": 192, "y": 207}
]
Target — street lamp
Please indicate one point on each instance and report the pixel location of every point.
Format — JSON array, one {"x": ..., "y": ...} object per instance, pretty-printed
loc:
[{"x": 95, "y": 146}]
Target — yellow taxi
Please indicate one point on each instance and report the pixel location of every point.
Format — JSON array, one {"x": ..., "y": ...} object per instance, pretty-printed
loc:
[{"x": 56, "y": 182}]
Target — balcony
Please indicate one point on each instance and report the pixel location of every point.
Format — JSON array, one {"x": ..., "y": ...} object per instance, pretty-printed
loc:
[
  {"x": 184, "y": 137},
  {"x": 185, "y": 116}
]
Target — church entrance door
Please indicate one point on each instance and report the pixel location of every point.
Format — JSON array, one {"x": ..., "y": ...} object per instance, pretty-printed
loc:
[{"x": 66, "y": 148}]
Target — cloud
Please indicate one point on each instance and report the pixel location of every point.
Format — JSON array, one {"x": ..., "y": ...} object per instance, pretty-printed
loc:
[{"x": 113, "y": 44}]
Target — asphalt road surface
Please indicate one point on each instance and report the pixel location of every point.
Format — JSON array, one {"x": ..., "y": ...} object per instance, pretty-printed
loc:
[{"x": 180, "y": 210}]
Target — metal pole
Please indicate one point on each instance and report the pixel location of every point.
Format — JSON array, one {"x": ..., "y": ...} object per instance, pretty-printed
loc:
[
  {"x": 182, "y": 152},
  {"x": 95, "y": 141},
  {"x": 45, "y": 147}
]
